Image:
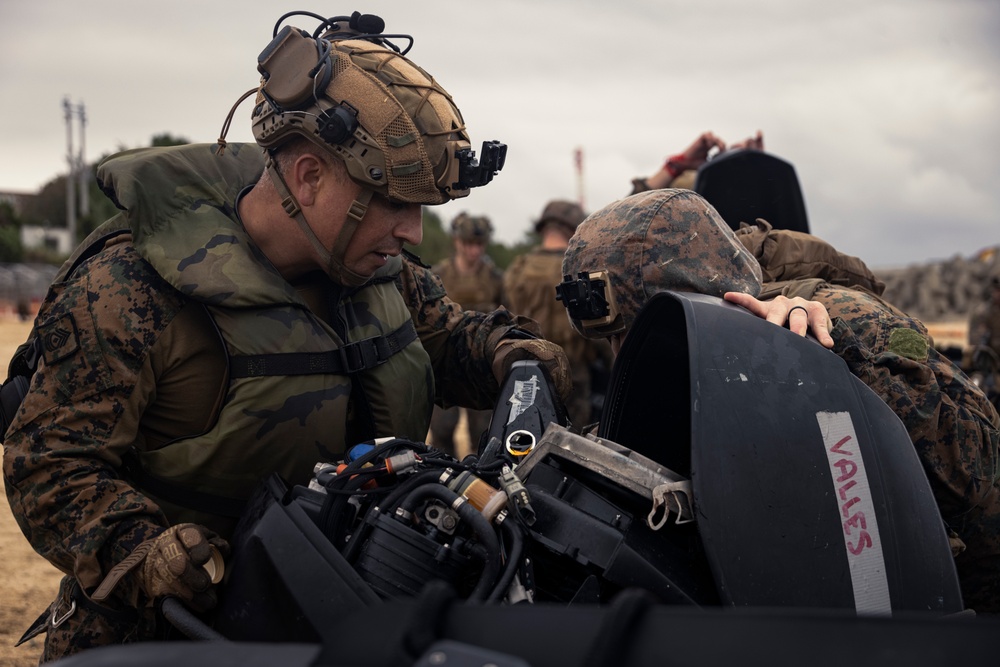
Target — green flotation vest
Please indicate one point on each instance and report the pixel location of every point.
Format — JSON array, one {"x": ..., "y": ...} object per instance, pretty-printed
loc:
[{"x": 299, "y": 389}]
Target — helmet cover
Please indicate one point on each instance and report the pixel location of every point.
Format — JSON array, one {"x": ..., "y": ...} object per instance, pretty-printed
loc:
[
  {"x": 566, "y": 213},
  {"x": 657, "y": 241},
  {"x": 467, "y": 227},
  {"x": 396, "y": 129}
]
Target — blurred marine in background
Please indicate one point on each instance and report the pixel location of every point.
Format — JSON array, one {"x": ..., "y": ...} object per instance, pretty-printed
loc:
[
  {"x": 474, "y": 282},
  {"x": 529, "y": 287},
  {"x": 984, "y": 339}
]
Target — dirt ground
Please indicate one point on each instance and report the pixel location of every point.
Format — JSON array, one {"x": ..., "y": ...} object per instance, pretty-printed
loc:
[{"x": 30, "y": 583}]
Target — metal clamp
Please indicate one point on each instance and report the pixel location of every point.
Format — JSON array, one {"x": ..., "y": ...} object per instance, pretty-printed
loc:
[{"x": 55, "y": 622}]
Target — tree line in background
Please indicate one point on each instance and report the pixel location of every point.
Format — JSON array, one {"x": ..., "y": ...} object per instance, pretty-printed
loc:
[{"x": 48, "y": 209}]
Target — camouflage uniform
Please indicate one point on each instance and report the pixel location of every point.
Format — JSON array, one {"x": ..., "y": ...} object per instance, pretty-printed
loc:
[
  {"x": 954, "y": 428},
  {"x": 984, "y": 331},
  {"x": 670, "y": 240},
  {"x": 984, "y": 325},
  {"x": 982, "y": 357},
  {"x": 951, "y": 422},
  {"x": 631, "y": 239},
  {"x": 481, "y": 291},
  {"x": 127, "y": 379},
  {"x": 529, "y": 288}
]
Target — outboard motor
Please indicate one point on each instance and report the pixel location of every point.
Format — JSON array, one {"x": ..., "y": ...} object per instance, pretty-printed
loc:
[
  {"x": 736, "y": 465},
  {"x": 807, "y": 489},
  {"x": 527, "y": 405}
]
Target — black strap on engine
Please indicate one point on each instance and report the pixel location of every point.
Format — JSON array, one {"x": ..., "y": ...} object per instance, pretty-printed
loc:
[{"x": 352, "y": 358}]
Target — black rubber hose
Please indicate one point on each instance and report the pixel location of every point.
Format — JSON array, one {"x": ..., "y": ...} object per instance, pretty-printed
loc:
[
  {"x": 385, "y": 506},
  {"x": 482, "y": 528},
  {"x": 516, "y": 539},
  {"x": 333, "y": 514},
  {"x": 186, "y": 622}
]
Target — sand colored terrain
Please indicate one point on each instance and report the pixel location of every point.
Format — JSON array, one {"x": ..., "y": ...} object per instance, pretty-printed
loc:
[{"x": 29, "y": 583}]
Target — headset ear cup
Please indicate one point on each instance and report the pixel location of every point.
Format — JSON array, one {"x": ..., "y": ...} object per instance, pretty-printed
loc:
[
  {"x": 337, "y": 125},
  {"x": 295, "y": 68}
]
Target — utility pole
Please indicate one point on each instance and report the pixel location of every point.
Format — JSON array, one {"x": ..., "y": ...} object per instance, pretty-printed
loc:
[
  {"x": 71, "y": 178},
  {"x": 78, "y": 172},
  {"x": 578, "y": 159},
  {"x": 81, "y": 165}
]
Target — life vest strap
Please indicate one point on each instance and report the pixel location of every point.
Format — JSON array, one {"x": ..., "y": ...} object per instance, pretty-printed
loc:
[{"x": 351, "y": 358}]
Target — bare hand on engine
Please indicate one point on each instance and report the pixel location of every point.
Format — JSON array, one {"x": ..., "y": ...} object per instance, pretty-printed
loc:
[{"x": 802, "y": 316}]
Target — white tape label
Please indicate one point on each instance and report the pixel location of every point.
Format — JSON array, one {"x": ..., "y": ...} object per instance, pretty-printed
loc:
[
  {"x": 853, "y": 494},
  {"x": 523, "y": 397}
]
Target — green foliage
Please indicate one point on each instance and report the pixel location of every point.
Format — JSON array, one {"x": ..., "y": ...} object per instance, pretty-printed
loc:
[
  {"x": 167, "y": 139},
  {"x": 8, "y": 217},
  {"x": 11, "y": 249},
  {"x": 437, "y": 244}
]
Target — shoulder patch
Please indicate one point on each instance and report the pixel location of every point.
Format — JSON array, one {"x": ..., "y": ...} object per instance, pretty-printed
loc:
[
  {"x": 909, "y": 343},
  {"x": 59, "y": 338}
]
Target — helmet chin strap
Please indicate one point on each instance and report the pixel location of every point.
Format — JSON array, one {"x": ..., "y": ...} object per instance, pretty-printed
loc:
[{"x": 333, "y": 258}]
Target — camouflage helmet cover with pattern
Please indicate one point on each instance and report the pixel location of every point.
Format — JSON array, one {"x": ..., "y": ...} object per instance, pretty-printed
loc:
[
  {"x": 566, "y": 213},
  {"x": 406, "y": 128},
  {"x": 656, "y": 241},
  {"x": 471, "y": 228}
]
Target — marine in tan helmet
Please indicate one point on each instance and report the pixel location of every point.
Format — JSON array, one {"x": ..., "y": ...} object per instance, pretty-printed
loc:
[
  {"x": 529, "y": 290},
  {"x": 250, "y": 311},
  {"x": 674, "y": 240},
  {"x": 475, "y": 282}
]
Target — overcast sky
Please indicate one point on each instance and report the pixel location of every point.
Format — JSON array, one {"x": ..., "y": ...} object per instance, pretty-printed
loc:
[{"x": 887, "y": 109}]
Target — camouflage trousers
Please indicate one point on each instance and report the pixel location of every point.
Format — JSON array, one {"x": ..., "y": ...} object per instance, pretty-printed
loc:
[
  {"x": 74, "y": 622},
  {"x": 444, "y": 422}
]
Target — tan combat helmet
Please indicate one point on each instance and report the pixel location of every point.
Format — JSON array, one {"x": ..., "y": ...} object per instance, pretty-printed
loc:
[
  {"x": 348, "y": 89},
  {"x": 472, "y": 228},
  {"x": 650, "y": 242},
  {"x": 566, "y": 213}
]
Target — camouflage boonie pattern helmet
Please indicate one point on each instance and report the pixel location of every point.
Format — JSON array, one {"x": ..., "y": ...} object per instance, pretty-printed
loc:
[
  {"x": 657, "y": 241},
  {"x": 567, "y": 213},
  {"x": 471, "y": 228},
  {"x": 407, "y": 131}
]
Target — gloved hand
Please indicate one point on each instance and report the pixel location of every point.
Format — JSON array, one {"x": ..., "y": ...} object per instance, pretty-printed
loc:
[
  {"x": 510, "y": 350},
  {"x": 175, "y": 564}
]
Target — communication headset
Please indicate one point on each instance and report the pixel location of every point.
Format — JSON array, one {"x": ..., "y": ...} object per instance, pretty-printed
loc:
[{"x": 296, "y": 69}]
